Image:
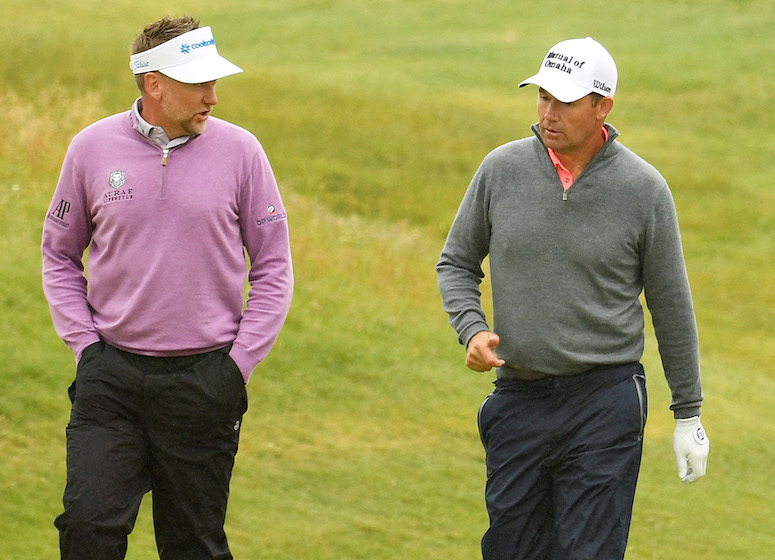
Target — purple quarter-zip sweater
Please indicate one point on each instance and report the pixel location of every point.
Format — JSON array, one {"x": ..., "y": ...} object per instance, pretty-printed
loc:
[{"x": 167, "y": 233}]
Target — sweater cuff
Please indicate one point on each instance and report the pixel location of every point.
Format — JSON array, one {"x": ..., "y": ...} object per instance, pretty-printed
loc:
[
  {"x": 82, "y": 344},
  {"x": 470, "y": 331},
  {"x": 245, "y": 362},
  {"x": 681, "y": 413}
]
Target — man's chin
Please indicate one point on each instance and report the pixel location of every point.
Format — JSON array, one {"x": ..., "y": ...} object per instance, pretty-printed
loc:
[{"x": 196, "y": 128}]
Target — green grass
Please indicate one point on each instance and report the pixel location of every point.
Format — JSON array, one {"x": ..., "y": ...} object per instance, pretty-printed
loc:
[{"x": 360, "y": 441}]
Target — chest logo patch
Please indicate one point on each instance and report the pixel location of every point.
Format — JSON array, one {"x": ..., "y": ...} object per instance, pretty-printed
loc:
[
  {"x": 117, "y": 179},
  {"x": 118, "y": 193}
]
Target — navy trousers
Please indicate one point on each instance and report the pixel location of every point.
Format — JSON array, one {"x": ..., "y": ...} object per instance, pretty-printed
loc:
[
  {"x": 139, "y": 424},
  {"x": 563, "y": 456}
]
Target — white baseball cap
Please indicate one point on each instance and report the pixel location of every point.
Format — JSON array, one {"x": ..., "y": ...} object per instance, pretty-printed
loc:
[
  {"x": 191, "y": 58},
  {"x": 575, "y": 68}
]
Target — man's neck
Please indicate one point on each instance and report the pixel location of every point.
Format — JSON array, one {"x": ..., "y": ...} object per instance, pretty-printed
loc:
[{"x": 575, "y": 162}]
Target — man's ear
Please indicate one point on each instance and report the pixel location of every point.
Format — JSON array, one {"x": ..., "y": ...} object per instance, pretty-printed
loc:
[
  {"x": 152, "y": 82},
  {"x": 604, "y": 107}
]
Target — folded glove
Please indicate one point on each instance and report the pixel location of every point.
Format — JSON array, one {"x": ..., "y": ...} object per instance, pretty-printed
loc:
[{"x": 691, "y": 447}]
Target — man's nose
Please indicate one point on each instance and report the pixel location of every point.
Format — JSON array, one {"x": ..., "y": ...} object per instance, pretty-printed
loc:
[
  {"x": 210, "y": 97},
  {"x": 550, "y": 109}
]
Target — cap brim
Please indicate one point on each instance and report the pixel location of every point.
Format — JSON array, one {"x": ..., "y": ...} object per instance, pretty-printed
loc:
[
  {"x": 559, "y": 87},
  {"x": 202, "y": 70}
]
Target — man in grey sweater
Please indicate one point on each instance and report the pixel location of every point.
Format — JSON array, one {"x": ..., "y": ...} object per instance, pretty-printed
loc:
[{"x": 576, "y": 227}]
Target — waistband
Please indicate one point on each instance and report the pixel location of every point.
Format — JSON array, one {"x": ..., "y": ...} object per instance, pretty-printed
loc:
[
  {"x": 603, "y": 375},
  {"x": 161, "y": 364}
]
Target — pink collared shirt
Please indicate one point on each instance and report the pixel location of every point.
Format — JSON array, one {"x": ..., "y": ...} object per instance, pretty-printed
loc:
[{"x": 565, "y": 176}]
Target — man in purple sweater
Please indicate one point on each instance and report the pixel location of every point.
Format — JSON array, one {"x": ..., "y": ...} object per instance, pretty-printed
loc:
[{"x": 168, "y": 200}]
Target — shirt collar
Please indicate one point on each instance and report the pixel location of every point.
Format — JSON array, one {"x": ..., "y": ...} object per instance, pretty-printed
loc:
[
  {"x": 155, "y": 134},
  {"x": 556, "y": 160},
  {"x": 565, "y": 176}
]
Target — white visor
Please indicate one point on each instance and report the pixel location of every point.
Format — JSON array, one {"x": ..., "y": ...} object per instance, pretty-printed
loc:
[{"x": 191, "y": 58}]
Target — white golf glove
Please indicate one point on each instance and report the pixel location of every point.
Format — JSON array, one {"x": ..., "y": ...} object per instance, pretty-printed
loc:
[{"x": 691, "y": 447}]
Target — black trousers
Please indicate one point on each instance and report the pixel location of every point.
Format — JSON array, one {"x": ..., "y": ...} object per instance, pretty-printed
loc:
[
  {"x": 138, "y": 424},
  {"x": 563, "y": 456}
]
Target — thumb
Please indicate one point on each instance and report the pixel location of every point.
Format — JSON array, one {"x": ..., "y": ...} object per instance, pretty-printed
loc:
[
  {"x": 698, "y": 465},
  {"x": 681, "y": 455},
  {"x": 492, "y": 342},
  {"x": 682, "y": 466}
]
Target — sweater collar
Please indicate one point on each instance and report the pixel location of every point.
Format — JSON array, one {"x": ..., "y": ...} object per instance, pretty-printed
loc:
[
  {"x": 153, "y": 133},
  {"x": 613, "y": 134}
]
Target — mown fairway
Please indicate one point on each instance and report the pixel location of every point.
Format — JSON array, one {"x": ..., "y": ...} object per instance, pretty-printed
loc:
[{"x": 361, "y": 442}]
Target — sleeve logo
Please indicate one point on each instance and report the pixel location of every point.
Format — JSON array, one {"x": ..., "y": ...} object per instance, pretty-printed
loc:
[
  {"x": 272, "y": 215},
  {"x": 60, "y": 212}
]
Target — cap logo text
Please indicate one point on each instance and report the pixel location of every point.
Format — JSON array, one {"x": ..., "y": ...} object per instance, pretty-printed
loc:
[
  {"x": 562, "y": 62},
  {"x": 185, "y": 48},
  {"x": 601, "y": 86}
]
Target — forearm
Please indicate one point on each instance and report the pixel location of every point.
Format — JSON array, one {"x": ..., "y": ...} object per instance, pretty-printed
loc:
[
  {"x": 66, "y": 234},
  {"x": 267, "y": 307},
  {"x": 267, "y": 240},
  {"x": 65, "y": 286},
  {"x": 459, "y": 269},
  {"x": 461, "y": 299},
  {"x": 669, "y": 299}
]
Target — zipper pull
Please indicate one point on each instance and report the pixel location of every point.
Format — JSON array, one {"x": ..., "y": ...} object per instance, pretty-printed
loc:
[
  {"x": 565, "y": 194},
  {"x": 165, "y": 153}
]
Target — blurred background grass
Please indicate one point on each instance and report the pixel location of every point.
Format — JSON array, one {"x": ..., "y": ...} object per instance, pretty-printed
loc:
[{"x": 360, "y": 441}]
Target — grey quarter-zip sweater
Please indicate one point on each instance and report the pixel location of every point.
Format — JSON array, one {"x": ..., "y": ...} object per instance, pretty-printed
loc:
[{"x": 567, "y": 272}]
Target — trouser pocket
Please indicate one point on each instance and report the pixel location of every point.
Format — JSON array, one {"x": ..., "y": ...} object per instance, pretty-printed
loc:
[
  {"x": 639, "y": 379},
  {"x": 203, "y": 391},
  {"x": 480, "y": 420}
]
